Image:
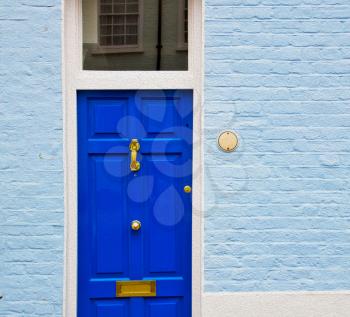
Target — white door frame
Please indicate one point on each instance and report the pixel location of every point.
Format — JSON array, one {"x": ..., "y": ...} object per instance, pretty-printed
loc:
[{"x": 74, "y": 78}]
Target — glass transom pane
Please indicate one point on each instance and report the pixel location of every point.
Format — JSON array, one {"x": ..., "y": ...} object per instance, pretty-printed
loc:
[{"x": 135, "y": 35}]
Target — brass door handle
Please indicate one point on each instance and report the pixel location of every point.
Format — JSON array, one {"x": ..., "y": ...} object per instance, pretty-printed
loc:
[
  {"x": 135, "y": 225},
  {"x": 187, "y": 189},
  {"x": 134, "y": 148}
]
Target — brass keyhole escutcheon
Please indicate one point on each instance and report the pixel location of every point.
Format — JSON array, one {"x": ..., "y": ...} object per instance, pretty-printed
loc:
[
  {"x": 187, "y": 189},
  {"x": 135, "y": 225},
  {"x": 134, "y": 148}
]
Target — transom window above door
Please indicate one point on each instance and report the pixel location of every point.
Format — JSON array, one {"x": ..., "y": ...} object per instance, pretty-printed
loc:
[{"x": 135, "y": 35}]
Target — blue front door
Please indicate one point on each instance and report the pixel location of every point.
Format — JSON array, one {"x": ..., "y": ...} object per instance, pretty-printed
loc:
[{"x": 134, "y": 203}]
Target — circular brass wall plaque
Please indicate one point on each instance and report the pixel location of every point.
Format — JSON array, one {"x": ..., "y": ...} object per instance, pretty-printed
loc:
[{"x": 228, "y": 141}]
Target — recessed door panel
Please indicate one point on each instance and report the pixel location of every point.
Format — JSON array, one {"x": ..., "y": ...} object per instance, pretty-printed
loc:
[
  {"x": 112, "y": 309},
  {"x": 134, "y": 224},
  {"x": 107, "y": 114},
  {"x": 159, "y": 114},
  {"x": 165, "y": 212},
  {"x": 168, "y": 308},
  {"x": 109, "y": 214}
]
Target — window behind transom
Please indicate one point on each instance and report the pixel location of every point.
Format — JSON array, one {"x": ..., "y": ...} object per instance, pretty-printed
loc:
[
  {"x": 119, "y": 23},
  {"x": 137, "y": 35}
]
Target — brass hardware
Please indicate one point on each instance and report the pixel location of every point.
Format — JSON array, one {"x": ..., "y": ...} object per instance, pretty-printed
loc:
[
  {"x": 187, "y": 189},
  {"x": 136, "y": 289},
  {"x": 228, "y": 141},
  {"x": 134, "y": 148},
  {"x": 135, "y": 225}
]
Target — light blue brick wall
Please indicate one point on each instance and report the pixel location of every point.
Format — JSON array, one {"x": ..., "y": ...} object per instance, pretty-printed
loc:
[
  {"x": 278, "y": 210},
  {"x": 31, "y": 177}
]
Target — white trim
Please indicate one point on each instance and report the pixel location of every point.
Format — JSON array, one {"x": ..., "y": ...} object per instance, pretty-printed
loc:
[
  {"x": 75, "y": 78},
  {"x": 277, "y": 304}
]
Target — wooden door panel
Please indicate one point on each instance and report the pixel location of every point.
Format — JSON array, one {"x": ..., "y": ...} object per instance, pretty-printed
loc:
[{"x": 111, "y": 196}]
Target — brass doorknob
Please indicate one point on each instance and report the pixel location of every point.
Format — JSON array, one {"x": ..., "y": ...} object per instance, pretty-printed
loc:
[
  {"x": 135, "y": 225},
  {"x": 187, "y": 189}
]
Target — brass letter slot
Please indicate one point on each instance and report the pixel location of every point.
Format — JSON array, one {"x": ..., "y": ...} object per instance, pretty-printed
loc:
[{"x": 136, "y": 288}]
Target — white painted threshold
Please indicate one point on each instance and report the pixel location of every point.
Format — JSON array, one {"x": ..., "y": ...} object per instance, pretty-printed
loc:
[{"x": 277, "y": 304}]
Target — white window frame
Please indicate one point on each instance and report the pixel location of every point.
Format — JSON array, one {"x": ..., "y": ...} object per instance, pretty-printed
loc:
[
  {"x": 181, "y": 44},
  {"x": 74, "y": 79},
  {"x": 110, "y": 49}
]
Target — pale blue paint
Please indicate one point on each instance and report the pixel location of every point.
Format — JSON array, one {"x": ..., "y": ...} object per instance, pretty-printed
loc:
[
  {"x": 31, "y": 177},
  {"x": 277, "y": 211}
]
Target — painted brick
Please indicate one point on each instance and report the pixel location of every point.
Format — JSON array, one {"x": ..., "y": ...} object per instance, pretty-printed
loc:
[
  {"x": 31, "y": 176},
  {"x": 277, "y": 210}
]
